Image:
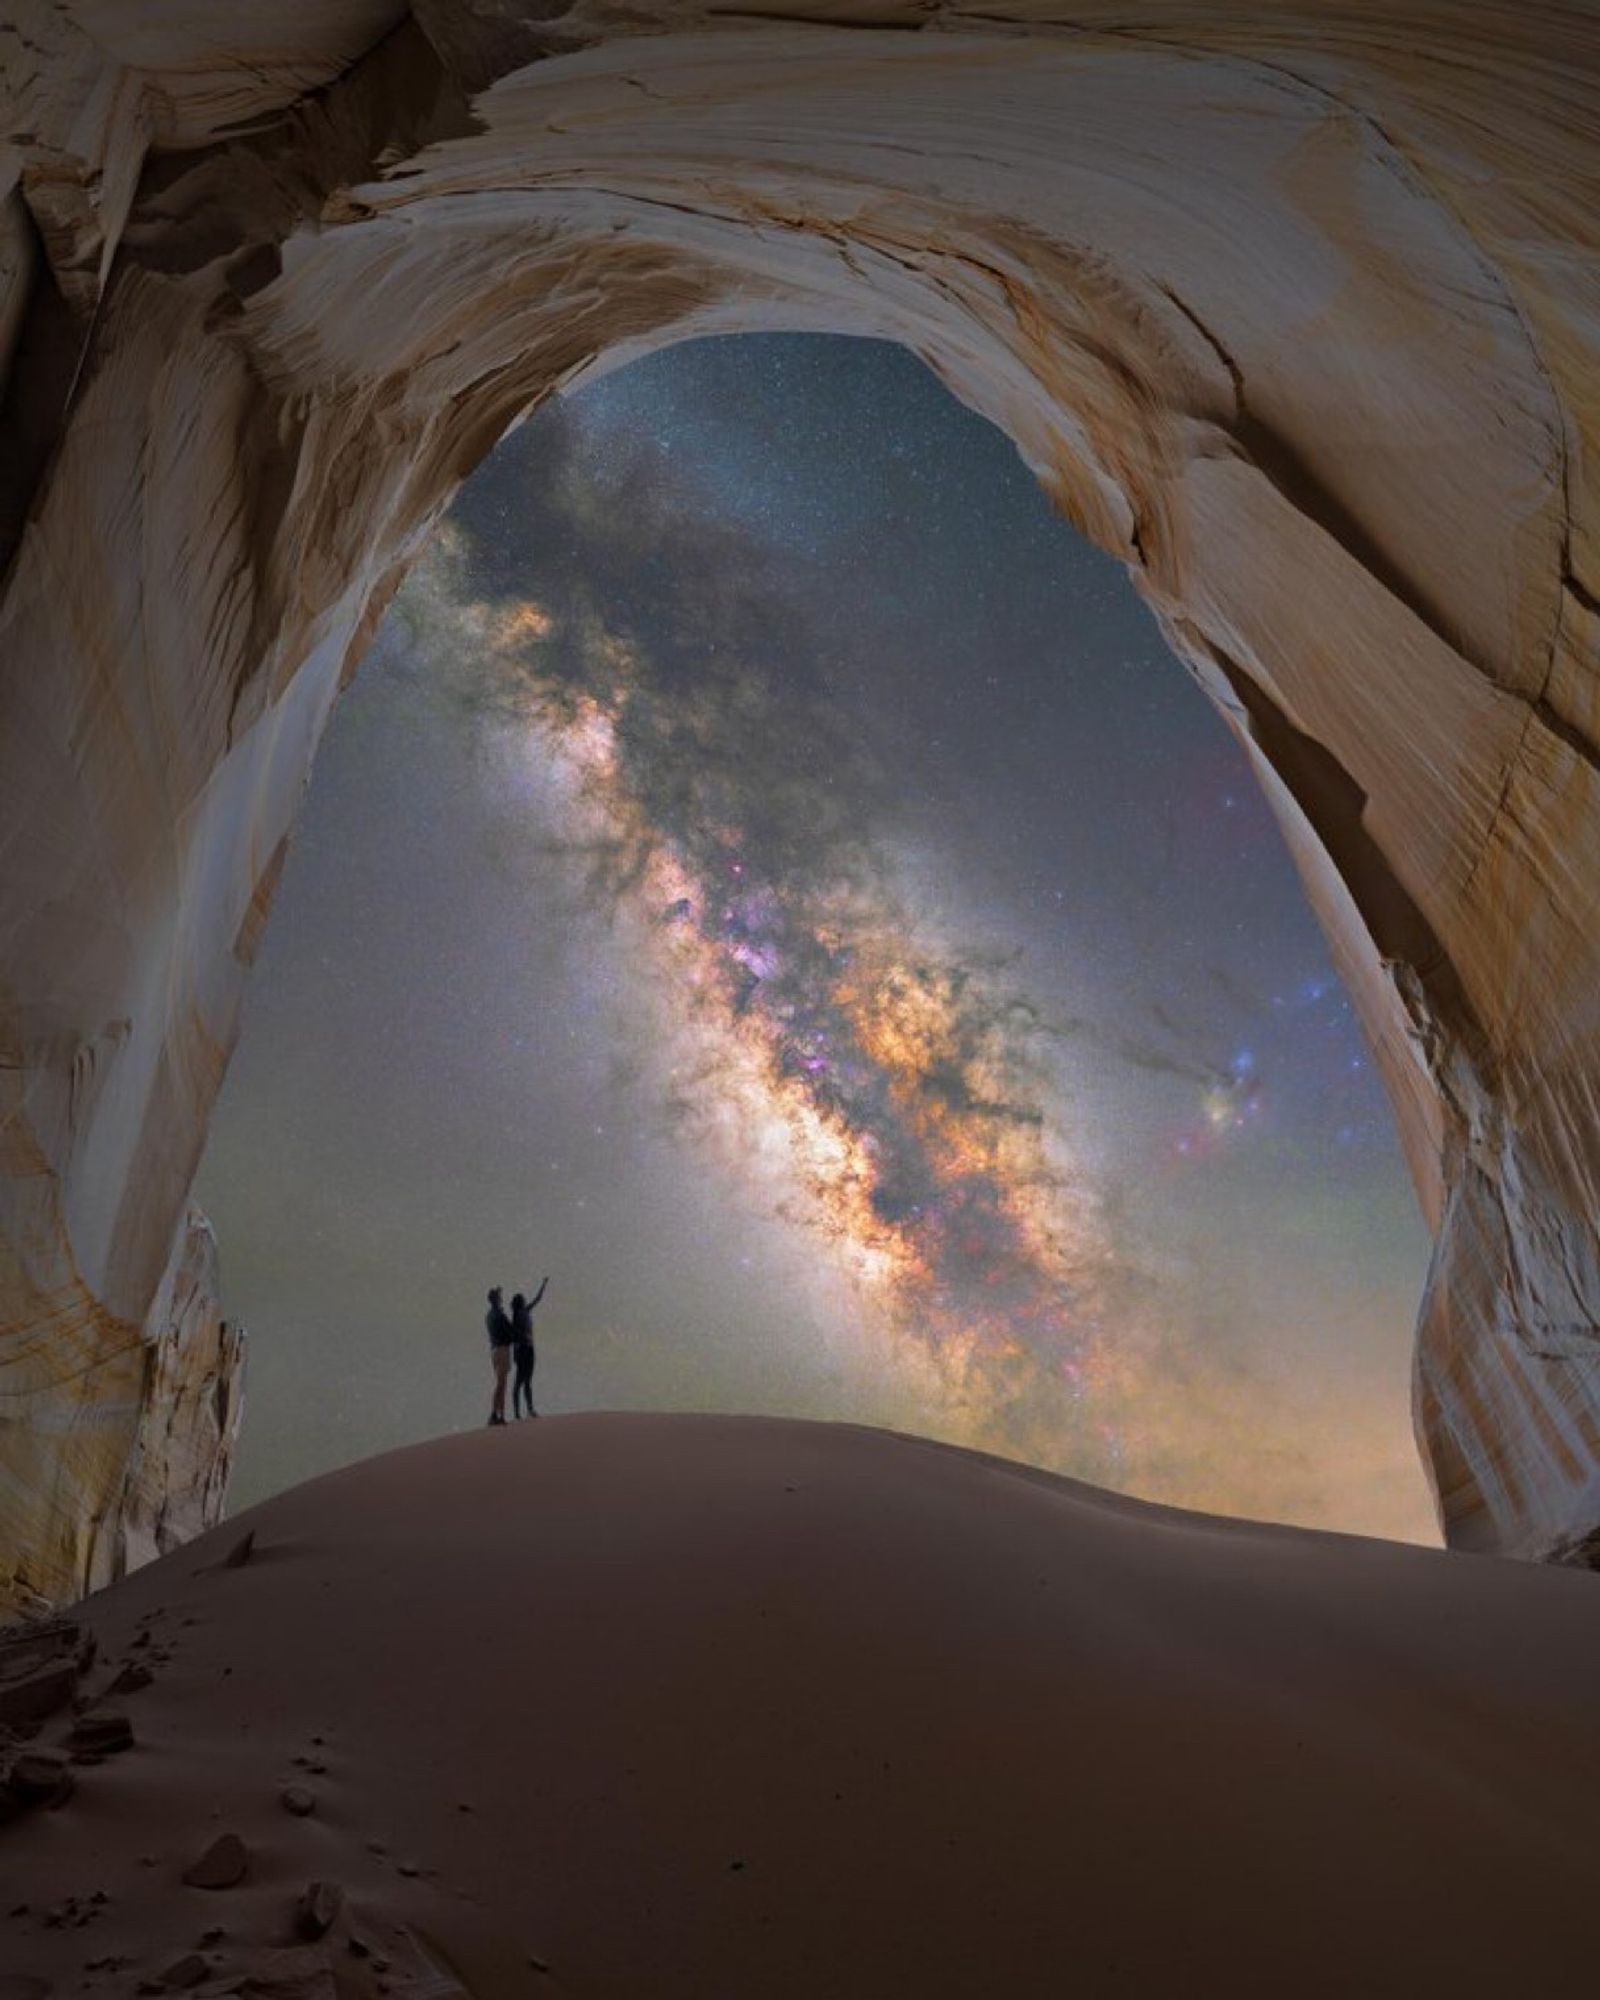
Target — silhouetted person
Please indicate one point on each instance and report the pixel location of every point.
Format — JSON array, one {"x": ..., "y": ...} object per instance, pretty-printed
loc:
[
  {"x": 522, "y": 1350},
  {"x": 500, "y": 1338}
]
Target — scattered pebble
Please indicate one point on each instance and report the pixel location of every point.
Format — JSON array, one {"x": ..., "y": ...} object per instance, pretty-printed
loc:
[
  {"x": 186, "y": 1971},
  {"x": 298, "y": 1800},
  {"x": 131, "y": 1677},
  {"x": 318, "y": 1909},
  {"x": 33, "y": 1697},
  {"x": 39, "y": 1778},
  {"x": 240, "y": 1553},
  {"x": 102, "y": 1733},
  {"x": 284, "y": 1972},
  {"x": 223, "y": 1865},
  {"x": 69, "y": 1914}
]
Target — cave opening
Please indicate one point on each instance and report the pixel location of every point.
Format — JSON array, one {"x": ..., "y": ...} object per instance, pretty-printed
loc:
[
  {"x": 771, "y": 873},
  {"x": 1295, "y": 332}
]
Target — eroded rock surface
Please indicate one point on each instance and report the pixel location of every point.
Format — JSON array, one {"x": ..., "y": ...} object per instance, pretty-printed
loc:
[
  {"x": 117, "y": 1441},
  {"x": 1294, "y": 307},
  {"x": 189, "y": 1415}
]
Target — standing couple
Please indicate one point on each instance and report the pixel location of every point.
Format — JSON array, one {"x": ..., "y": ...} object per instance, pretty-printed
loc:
[{"x": 511, "y": 1338}]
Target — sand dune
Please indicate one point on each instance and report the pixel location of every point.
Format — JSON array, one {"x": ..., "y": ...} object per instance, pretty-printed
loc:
[{"x": 717, "y": 1707}]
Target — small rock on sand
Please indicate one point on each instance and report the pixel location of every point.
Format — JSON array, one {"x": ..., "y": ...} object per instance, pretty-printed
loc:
[
  {"x": 39, "y": 1778},
  {"x": 298, "y": 1800},
  {"x": 186, "y": 1971},
  {"x": 317, "y": 1911},
  {"x": 222, "y": 1866},
  {"x": 35, "y": 1695},
  {"x": 241, "y": 1552},
  {"x": 102, "y": 1732},
  {"x": 291, "y": 1972}
]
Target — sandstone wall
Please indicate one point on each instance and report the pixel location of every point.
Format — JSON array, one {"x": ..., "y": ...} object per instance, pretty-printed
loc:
[
  {"x": 189, "y": 1417},
  {"x": 117, "y": 1441},
  {"x": 1294, "y": 307}
]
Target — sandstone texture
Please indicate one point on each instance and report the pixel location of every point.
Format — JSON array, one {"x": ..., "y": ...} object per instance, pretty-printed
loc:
[
  {"x": 189, "y": 1415},
  {"x": 1293, "y": 306},
  {"x": 116, "y": 1442}
]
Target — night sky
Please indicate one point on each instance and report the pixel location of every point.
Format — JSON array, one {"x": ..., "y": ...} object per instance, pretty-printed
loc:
[{"x": 771, "y": 875}]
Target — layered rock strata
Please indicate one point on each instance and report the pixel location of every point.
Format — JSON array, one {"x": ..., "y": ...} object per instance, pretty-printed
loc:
[
  {"x": 1294, "y": 307},
  {"x": 117, "y": 1439},
  {"x": 189, "y": 1415}
]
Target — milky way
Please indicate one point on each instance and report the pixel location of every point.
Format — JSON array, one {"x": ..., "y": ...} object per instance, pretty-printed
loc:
[
  {"x": 884, "y": 1086},
  {"x": 900, "y": 1081},
  {"x": 1034, "y": 1048}
]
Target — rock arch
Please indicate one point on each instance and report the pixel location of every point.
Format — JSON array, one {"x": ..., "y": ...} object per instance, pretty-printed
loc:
[{"x": 1292, "y": 306}]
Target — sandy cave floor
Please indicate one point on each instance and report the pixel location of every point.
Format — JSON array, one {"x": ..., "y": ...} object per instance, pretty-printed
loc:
[{"x": 718, "y": 1707}]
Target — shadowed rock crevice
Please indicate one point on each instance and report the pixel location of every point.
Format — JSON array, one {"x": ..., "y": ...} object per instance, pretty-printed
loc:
[
  {"x": 1335, "y": 804},
  {"x": 50, "y": 344}
]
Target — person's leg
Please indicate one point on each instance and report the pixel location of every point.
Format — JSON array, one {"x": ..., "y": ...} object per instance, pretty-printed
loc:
[
  {"x": 497, "y": 1409},
  {"x": 533, "y": 1357},
  {"x": 521, "y": 1391}
]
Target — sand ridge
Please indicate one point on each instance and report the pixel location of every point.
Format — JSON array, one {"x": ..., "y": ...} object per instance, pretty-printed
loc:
[{"x": 706, "y": 1706}]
